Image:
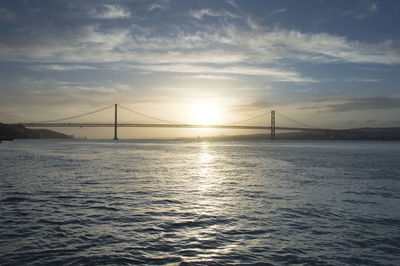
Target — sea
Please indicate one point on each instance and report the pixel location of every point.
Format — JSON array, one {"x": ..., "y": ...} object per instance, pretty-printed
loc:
[{"x": 156, "y": 202}]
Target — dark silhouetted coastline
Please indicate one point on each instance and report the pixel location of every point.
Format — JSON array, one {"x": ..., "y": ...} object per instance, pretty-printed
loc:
[
  {"x": 392, "y": 133},
  {"x": 21, "y": 132}
]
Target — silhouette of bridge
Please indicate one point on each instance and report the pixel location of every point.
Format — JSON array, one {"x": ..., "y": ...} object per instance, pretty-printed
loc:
[{"x": 161, "y": 123}]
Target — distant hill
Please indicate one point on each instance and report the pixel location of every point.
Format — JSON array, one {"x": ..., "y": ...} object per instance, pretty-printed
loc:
[
  {"x": 21, "y": 132},
  {"x": 392, "y": 133}
]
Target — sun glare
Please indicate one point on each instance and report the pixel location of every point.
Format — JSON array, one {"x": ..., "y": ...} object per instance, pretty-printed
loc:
[{"x": 206, "y": 114}]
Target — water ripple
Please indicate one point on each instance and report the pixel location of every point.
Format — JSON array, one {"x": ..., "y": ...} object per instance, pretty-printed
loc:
[{"x": 197, "y": 203}]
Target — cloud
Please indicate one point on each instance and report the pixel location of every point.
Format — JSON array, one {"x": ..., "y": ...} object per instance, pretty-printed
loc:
[
  {"x": 375, "y": 69},
  {"x": 354, "y": 104},
  {"x": 159, "y": 5},
  {"x": 353, "y": 79},
  {"x": 59, "y": 67},
  {"x": 82, "y": 44},
  {"x": 257, "y": 105},
  {"x": 180, "y": 51},
  {"x": 252, "y": 23},
  {"x": 278, "y": 11},
  {"x": 373, "y": 7},
  {"x": 274, "y": 74},
  {"x": 90, "y": 89},
  {"x": 312, "y": 47},
  {"x": 107, "y": 11},
  {"x": 364, "y": 80},
  {"x": 233, "y": 3},
  {"x": 227, "y": 43},
  {"x": 6, "y": 15},
  {"x": 193, "y": 57},
  {"x": 362, "y": 10},
  {"x": 208, "y": 77},
  {"x": 261, "y": 45},
  {"x": 199, "y": 14},
  {"x": 37, "y": 86},
  {"x": 223, "y": 49},
  {"x": 365, "y": 104}
]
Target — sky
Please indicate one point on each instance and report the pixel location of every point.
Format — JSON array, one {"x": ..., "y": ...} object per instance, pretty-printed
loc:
[{"x": 331, "y": 64}]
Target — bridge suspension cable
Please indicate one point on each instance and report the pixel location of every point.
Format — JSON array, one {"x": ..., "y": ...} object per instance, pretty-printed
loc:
[
  {"x": 76, "y": 116},
  {"x": 248, "y": 119},
  {"x": 147, "y": 116},
  {"x": 296, "y": 122},
  {"x": 172, "y": 122}
]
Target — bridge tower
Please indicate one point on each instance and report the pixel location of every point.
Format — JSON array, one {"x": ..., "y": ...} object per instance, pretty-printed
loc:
[
  {"x": 272, "y": 125},
  {"x": 115, "y": 123}
]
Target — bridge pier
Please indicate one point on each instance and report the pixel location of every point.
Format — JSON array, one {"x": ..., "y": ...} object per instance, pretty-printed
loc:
[
  {"x": 272, "y": 125},
  {"x": 115, "y": 123}
]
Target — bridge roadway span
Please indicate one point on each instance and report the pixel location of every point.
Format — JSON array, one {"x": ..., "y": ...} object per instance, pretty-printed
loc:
[{"x": 157, "y": 125}]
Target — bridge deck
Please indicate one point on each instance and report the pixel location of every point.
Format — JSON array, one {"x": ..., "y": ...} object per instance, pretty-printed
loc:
[{"x": 156, "y": 125}]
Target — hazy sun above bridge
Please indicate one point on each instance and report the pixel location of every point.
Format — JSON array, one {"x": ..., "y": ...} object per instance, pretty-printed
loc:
[{"x": 206, "y": 113}]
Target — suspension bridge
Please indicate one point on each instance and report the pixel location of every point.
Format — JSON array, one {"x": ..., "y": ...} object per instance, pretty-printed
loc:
[{"x": 113, "y": 120}]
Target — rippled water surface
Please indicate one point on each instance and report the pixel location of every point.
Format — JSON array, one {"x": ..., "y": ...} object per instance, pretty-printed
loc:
[{"x": 159, "y": 202}]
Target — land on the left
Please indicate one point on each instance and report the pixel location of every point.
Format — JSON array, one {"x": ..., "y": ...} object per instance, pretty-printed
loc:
[{"x": 8, "y": 132}]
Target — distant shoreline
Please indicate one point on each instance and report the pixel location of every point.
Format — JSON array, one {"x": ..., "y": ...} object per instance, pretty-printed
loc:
[
  {"x": 392, "y": 133},
  {"x": 20, "y": 132},
  {"x": 347, "y": 134}
]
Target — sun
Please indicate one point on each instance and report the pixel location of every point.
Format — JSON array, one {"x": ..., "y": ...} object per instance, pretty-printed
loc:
[{"x": 206, "y": 114}]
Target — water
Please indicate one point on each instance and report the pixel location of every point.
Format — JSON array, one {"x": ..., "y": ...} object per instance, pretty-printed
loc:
[{"x": 166, "y": 202}]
